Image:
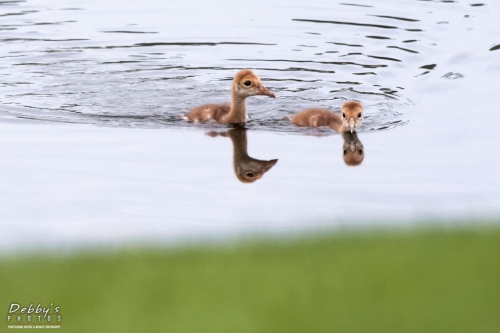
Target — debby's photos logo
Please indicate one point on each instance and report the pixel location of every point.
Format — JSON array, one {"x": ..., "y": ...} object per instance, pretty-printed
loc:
[{"x": 34, "y": 316}]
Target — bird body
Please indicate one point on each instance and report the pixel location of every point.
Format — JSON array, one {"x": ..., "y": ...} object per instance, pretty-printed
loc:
[
  {"x": 209, "y": 112},
  {"x": 351, "y": 117},
  {"x": 316, "y": 117}
]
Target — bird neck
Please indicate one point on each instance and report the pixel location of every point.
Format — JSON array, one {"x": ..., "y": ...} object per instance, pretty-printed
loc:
[{"x": 238, "y": 112}]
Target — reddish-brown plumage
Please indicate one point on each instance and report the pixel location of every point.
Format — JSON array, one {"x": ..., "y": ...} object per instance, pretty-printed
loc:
[
  {"x": 245, "y": 84},
  {"x": 209, "y": 112},
  {"x": 350, "y": 118},
  {"x": 316, "y": 117}
]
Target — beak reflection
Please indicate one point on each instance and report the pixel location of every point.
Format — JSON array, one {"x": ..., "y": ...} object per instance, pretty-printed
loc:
[
  {"x": 247, "y": 169},
  {"x": 353, "y": 150}
]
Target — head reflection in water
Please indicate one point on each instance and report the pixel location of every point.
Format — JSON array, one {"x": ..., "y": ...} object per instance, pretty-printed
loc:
[
  {"x": 352, "y": 149},
  {"x": 247, "y": 169}
]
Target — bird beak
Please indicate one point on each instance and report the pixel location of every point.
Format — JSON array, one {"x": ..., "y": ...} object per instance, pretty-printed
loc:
[
  {"x": 264, "y": 91},
  {"x": 351, "y": 124}
]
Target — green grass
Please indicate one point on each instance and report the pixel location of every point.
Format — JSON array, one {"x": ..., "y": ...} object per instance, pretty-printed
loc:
[{"x": 433, "y": 281}]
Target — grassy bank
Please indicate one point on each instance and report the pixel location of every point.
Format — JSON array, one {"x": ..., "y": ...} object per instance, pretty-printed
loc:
[{"x": 436, "y": 281}]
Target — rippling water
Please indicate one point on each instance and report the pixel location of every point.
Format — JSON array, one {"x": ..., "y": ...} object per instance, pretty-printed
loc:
[{"x": 139, "y": 64}]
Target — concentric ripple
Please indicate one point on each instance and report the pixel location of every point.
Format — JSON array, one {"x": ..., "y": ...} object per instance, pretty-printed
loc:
[{"x": 142, "y": 65}]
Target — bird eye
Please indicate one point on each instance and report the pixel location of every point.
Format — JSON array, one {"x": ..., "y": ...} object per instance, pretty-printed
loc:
[
  {"x": 248, "y": 83},
  {"x": 361, "y": 152},
  {"x": 345, "y": 152},
  {"x": 359, "y": 115},
  {"x": 343, "y": 115},
  {"x": 249, "y": 174}
]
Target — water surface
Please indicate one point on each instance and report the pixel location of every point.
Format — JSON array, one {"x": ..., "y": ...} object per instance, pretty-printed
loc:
[
  {"x": 140, "y": 64},
  {"x": 92, "y": 151}
]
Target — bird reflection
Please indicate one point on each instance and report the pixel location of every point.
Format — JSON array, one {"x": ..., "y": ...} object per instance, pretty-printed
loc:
[
  {"x": 352, "y": 149},
  {"x": 247, "y": 169}
]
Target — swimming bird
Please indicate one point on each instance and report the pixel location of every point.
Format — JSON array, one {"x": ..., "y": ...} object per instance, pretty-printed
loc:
[
  {"x": 352, "y": 115},
  {"x": 245, "y": 84},
  {"x": 246, "y": 168}
]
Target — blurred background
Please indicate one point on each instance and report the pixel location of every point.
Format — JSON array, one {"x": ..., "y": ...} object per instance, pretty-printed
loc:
[{"x": 132, "y": 219}]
